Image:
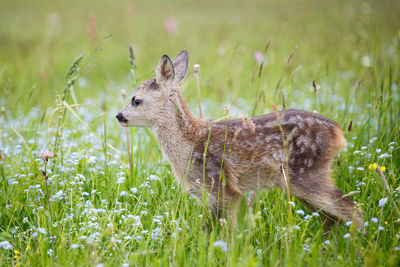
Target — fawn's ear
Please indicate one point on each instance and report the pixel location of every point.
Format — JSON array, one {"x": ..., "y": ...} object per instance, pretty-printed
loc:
[
  {"x": 165, "y": 73},
  {"x": 181, "y": 63}
]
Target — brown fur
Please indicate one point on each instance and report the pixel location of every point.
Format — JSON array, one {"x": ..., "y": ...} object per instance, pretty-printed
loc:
[{"x": 248, "y": 155}]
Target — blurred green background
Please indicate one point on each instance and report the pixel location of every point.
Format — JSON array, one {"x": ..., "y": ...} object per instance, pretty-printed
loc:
[
  {"x": 39, "y": 39},
  {"x": 250, "y": 53}
]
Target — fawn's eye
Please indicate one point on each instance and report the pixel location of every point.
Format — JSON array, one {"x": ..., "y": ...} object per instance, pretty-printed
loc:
[{"x": 136, "y": 102}]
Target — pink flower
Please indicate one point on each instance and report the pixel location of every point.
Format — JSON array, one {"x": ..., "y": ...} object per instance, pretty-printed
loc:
[
  {"x": 171, "y": 25},
  {"x": 258, "y": 56},
  {"x": 47, "y": 154}
]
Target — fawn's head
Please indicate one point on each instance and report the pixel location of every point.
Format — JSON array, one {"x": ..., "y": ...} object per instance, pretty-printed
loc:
[{"x": 150, "y": 102}]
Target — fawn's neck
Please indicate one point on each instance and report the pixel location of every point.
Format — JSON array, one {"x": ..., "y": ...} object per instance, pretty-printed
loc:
[{"x": 177, "y": 133}]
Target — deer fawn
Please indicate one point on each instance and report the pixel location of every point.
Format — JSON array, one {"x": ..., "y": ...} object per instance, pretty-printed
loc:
[{"x": 248, "y": 154}]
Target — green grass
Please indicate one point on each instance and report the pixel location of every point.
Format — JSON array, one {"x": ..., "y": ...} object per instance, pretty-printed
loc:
[{"x": 99, "y": 213}]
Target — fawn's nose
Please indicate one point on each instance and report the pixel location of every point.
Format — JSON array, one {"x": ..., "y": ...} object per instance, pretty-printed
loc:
[{"x": 121, "y": 118}]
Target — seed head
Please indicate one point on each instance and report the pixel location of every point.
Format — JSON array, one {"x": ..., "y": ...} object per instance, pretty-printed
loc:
[{"x": 196, "y": 68}]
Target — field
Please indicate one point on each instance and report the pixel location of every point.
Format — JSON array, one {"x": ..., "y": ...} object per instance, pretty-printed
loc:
[{"x": 63, "y": 65}]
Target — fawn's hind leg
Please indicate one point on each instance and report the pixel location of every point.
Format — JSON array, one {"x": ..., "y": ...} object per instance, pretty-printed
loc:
[{"x": 321, "y": 195}]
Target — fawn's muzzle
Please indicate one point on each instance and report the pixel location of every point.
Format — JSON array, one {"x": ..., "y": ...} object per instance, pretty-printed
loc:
[{"x": 121, "y": 118}]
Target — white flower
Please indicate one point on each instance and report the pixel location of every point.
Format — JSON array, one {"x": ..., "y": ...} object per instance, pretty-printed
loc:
[
  {"x": 300, "y": 212},
  {"x": 74, "y": 246},
  {"x": 306, "y": 247},
  {"x": 327, "y": 242},
  {"x": 134, "y": 190},
  {"x": 5, "y": 245},
  {"x": 153, "y": 178},
  {"x": 92, "y": 160},
  {"x": 384, "y": 155},
  {"x": 374, "y": 220},
  {"x": 49, "y": 252},
  {"x": 41, "y": 230},
  {"x": 360, "y": 169},
  {"x": 348, "y": 223},
  {"x": 346, "y": 236},
  {"x": 292, "y": 203},
  {"x": 382, "y": 202},
  {"x": 221, "y": 244},
  {"x": 121, "y": 180},
  {"x": 57, "y": 196},
  {"x": 123, "y": 193},
  {"x": 380, "y": 228},
  {"x": 156, "y": 233},
  {"x": 365, "y": 61}
]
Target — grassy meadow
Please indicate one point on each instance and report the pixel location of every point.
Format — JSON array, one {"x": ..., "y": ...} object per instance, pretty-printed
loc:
[{"x": 63, "y": 65}]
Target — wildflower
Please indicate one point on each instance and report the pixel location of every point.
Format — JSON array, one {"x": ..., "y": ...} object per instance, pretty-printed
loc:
[
  {"x": 346, "y": 236},
  {"x": 292, "y": 203},
  {"x": 156, "y": 233},
  {"x": 365, "y": 61},
  {"x": 123, "y": 193},
  {"x": 306, "y": 247},
  {"x": 373, "y": 166},
  {"x": 171, "y": 25},
  {"x": 47, "y": 154},
  {"x": 381, "y": 228},
  {"x": 258, "y": 56},
  {"x": 41, "y": 230},
  {"x": 382, "y": 202},
  {"x": 221, "y": 244},
  {"x": 5, "y": 245},
  {"x": 300, "y": 212},
  {"x": 327, "y": 242},
  {"x": 374, "y": 220},
  {"x": 384, "y": 155},
  {"x": 74, "y": 246},
  {"x": 153, "y": 178},
  {"x": 134, "y": 190},
  {"x": 226, "y": 107},
  {"x": 121, "y": 180}
]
